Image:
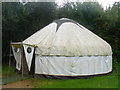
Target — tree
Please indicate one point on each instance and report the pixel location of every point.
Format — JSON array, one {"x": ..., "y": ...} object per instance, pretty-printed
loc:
[{"x": 20, "y": 21}]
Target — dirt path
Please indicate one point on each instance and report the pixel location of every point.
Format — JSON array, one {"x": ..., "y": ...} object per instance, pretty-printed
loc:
[{"x": 19, "y": 84}]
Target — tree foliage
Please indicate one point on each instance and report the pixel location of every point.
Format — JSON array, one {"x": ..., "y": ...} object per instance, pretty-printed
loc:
[{"x": 20, "y": 21}]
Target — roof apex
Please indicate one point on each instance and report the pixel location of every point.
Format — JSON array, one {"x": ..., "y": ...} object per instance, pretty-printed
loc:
[{"x": 59, "y": 22}]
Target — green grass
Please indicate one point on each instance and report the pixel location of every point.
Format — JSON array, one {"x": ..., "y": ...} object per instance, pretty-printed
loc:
[
  {"x": 105, "y": 81},
  {"x": 7, "y": 72},
  {"x": 9, "y": 75}
]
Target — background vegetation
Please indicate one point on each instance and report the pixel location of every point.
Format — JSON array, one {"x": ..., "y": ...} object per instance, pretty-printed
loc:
[{"x": 20, "y": 21}]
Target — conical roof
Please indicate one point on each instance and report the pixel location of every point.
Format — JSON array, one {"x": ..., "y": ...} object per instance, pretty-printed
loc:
[{"x": 65, "y": 37}]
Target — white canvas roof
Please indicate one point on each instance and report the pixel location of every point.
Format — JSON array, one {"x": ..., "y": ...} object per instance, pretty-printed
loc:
[{"x": 65, "y": 37}]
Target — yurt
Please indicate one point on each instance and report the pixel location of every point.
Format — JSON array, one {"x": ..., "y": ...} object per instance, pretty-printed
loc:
[{"x": 64, "y": 48}]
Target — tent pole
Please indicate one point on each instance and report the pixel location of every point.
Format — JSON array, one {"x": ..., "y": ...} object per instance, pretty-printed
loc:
[
  {"x": 10, "y": 55},
  {"x": 22, "y": 58}
]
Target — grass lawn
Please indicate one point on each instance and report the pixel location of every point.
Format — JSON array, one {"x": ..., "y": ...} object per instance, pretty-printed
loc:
[
  {"x": 7, "y": 72},
  {"x": 105, "y": 81}
]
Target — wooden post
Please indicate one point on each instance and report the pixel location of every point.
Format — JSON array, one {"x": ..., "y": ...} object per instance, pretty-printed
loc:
[
  {"x": 22, "y": 58},
  {"x": 10, "y": 55},
  {"x": 25, "y": 70}
]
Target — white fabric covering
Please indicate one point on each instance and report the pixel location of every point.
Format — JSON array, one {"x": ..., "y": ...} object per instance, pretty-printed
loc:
[
  {"x": 69, "y": 40},
  {"x": 73, "y": 66},
  {"x": 28, "y": 56},
  {"x": 17, "y": 56}
]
